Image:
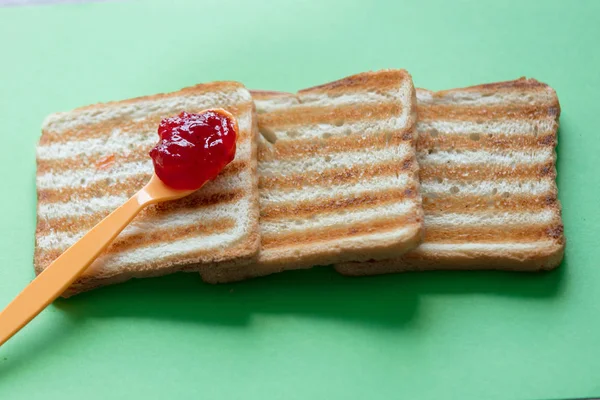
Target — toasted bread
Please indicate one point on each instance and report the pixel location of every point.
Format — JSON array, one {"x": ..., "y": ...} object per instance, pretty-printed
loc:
[
  {"x": 92, "y": 159},
  {"x": 338, "y": 178},
  {"x": 488, "y": 174}
]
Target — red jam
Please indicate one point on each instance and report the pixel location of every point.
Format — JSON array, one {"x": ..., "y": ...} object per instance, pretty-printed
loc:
[{"x": 194, "y": 148}]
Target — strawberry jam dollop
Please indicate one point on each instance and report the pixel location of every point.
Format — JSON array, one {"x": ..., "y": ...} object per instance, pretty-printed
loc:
[{"x": 194, "y": 148}]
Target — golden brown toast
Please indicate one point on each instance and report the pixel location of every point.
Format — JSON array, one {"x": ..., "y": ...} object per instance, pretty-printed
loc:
[
  {"x": 487, "y": 170},
  {"x": 90, "y": 160},
  {"x": 337, "y": 174}
]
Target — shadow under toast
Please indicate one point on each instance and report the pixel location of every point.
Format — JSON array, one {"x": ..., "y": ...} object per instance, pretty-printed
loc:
[
  {"x": 385, "y": 300},
  {"x": 319, "y": 293}
]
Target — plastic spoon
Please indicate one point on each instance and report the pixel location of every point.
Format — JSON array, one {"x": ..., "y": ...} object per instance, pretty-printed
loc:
[{"x": 61, "y": 273}]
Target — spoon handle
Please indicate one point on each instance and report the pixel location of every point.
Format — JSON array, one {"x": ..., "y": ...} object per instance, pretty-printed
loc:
[{"x": 63, "y": 271}]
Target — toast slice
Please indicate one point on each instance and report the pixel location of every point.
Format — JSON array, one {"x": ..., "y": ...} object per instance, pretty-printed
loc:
[
  {"x": 92, "y": 159},
  {"x": 338, "y": 178},
  {"x": 488, "y": 181}
]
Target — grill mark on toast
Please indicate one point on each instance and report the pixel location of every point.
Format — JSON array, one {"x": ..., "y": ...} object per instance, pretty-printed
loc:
[
  {"x": 225, "y": 87},
  {"x": 381, "y": 80},
  {"x": 124, "y": 125},
  {"x": 268, "y": 94},
  {"x": 449, "y": 112},
  {"x": 148, "y": 125},
  {"x": 499, "y": 202},
  {"x": 127, "y": 186},
  {"x": 522, "y": 83},
  {"x": 78, "y": 163},
  {"x": 145, "y": 268},
  {"x": 481, "y": 141},
  {"x": 483, "y": 234},
  {"x": 339, "y": 175},
  {"x": 292, "y": 149},
  {"x": 336, "y": 114},
  {"x": 271, "y": 241},
  {"x": 474, "y": 172},
  {"x": 134, "y": 241},
  {"x": 194, "y": 201},
  {"x": 131, "y": 242},
  {"x": 358, "y": 201}
]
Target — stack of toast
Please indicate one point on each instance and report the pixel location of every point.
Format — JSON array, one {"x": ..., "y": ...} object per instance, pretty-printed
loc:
[
  {"x": 338, "y": 178},
  {"x": 488, "y": 181},
  {"x": 365, "y": 173}
]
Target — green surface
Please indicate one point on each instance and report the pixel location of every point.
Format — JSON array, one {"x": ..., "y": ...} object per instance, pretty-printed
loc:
[{"x": 305, "y": 334}]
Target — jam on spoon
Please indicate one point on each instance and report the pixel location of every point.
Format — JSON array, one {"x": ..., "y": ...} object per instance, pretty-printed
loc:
[{"x": 194, "y": 148}]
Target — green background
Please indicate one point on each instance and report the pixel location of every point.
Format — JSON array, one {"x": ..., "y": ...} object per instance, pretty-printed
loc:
[{"x": 304, "y": 334}]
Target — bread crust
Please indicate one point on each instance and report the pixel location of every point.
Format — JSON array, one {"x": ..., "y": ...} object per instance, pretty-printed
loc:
[
  {"x": 473, "y": 251},
  {"x": 242, "y": 250},
  {"x": 376, "y": 239}
]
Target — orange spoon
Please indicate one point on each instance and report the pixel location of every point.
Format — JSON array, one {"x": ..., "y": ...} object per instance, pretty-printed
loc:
[{"x": 61, "y": 273}]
